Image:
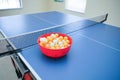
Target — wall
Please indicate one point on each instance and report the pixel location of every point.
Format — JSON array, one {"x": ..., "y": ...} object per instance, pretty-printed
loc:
[
  {"x": 94, "y": 8},
  {"x": 29, "y": 6}
]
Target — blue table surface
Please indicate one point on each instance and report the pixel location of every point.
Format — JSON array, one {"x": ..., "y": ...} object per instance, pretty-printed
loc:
[
  {"x": 14, "y": 25},
  {"x": 106, "y": 34},
  {"x": 57, "y": 17},
  {"x": 94, "y": 54},
  {"x": 86, "y": 60}
]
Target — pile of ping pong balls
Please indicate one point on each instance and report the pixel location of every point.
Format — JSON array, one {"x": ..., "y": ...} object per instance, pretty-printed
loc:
[{"x": 54, "y": 41}]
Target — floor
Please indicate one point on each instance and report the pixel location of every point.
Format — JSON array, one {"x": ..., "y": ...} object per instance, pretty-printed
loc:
[{"x": 7, "y": 71}]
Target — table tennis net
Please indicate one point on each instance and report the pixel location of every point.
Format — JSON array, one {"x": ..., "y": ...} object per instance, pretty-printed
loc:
[{"x": 10, "y": 45}]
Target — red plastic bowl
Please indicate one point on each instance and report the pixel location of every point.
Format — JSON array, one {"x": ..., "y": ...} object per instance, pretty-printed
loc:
[{"x": 54, "y": 53}]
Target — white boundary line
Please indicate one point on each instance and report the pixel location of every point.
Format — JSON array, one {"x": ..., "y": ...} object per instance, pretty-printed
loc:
[
  {"x": 80, "y": 18},
  {"x": 24, "y": 60},
  {"x": 53, "y": 22},
  {"x": 29, "y": 67},
  {"x": 44, "y": 20},
  {"x": 100, "y": 42}
]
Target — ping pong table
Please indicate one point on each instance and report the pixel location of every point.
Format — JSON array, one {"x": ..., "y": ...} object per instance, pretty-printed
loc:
[{"x": 94, "y": 54}]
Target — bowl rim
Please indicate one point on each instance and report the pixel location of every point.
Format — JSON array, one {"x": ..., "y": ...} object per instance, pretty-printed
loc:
[{"x": 38, "y": 40}]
